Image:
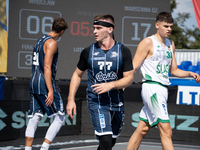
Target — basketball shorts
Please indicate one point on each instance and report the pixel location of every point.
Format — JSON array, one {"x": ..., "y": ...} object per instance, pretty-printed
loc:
[
  {"x": 37, "y": 105},
  {"x": 107, "y": 122},
  {"x": 155, "y": 104}
]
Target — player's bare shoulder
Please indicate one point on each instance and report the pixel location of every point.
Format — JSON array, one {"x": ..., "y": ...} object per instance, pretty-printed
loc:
[
  {"x": 146, "y": 44},
  {"x": 51, "y": 42},
  {"x": 147, "y": 41},
  {"x": 146, "y": 47},
  {"x": 51, "y": 45}
]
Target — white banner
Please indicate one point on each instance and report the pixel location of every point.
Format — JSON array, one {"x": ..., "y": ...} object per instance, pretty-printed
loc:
[{"x": 188, "y": 95}]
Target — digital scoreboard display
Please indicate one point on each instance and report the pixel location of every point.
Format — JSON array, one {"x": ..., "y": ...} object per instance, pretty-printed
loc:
[{"x": 30, "y": 19}]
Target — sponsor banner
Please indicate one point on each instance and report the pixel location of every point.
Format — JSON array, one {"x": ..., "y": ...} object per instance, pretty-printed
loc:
[
  {"x": 188, "y": 95},
  {"x": 184, "y": 121},
  {"x": 14, "y": 120}
]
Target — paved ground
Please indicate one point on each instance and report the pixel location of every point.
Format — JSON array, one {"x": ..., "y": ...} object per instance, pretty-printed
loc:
[{"x": 88, "y": 142}]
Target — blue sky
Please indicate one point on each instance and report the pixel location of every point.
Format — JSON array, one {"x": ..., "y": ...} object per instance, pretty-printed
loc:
[{"x": 186, "y": 6}]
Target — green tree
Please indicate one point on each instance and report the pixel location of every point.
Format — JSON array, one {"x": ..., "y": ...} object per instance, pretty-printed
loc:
[
  {"x": 183, "y": 37},
  {"x": 196, "y": 35}
]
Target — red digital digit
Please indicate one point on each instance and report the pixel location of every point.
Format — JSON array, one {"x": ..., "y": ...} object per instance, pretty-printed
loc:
[
  {"x": 74, "y": 25},
  {"x": 85, "y": 30},
  {"x": 91, "y": 34}
]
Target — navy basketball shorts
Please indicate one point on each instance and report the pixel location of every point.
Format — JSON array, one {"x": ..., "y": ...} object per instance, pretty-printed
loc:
[
  {"x": 106, "y": 122},
  {"x": 37, "y": 105}
]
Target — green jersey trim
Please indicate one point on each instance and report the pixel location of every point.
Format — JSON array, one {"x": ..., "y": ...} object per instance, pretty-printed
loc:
[
  {"x": 145, "y": 120},
  {"x": 154, "y": 82},
  {"x": 148, "y": 77},
  {"x": 159, "y": 120},
  {"x": 155, "y": 123}
]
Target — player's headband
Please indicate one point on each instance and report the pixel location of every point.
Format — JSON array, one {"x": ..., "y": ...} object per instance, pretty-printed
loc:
[{"x": 103, "y": 23}]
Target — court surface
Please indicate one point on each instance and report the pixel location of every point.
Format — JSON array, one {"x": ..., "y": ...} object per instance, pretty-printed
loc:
[{"x": 88, "y": 142}]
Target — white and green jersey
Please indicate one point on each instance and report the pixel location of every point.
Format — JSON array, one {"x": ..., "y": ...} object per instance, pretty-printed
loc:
[{"x": 156, "y": 68}]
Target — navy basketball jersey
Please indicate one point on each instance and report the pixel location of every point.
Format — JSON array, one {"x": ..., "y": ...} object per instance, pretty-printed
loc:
[
  {"x": 102, "y": 68},
  {"x": 37, "y": 83}
]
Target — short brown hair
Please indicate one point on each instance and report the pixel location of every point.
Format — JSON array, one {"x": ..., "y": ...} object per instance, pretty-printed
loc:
[
  {"x": 105, "y": 16},
  {"x": 59, "y": 24},
  {"x": 164, "y": 16}
]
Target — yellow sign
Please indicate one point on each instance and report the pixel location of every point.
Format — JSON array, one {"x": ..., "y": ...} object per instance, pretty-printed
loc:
[{"x": 3, "y": 37}]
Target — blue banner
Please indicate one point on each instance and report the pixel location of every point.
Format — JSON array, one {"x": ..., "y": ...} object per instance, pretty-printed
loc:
[{"x": 1, "y": 87}]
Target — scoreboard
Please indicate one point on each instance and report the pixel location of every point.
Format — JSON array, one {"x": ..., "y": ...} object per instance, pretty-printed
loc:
[{"x": 30, "y": 19}]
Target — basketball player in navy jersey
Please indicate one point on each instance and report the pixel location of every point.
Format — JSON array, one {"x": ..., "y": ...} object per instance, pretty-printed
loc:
[
  {"x": 45, "y": 96},
  {"x": 109, "y": 68}
]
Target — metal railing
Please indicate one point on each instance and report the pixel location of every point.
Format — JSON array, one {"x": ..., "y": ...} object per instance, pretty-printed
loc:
[{"x": 192, "y": 55}]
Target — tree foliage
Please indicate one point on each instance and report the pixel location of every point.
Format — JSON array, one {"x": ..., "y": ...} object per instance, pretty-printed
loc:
[{"x": 184, "y": 37}]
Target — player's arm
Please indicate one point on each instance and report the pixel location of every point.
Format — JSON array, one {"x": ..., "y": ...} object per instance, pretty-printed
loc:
[
  {"x": 75, "y": 81},
  {"x": 122, "y": 83},
  {"x": 144, "y": 51},
  {"x": 74, "y": 84},
  {"x": 176, "y": 72},
  {"x": 119, "y": 84},
  {"x": 50, "y": 48}
]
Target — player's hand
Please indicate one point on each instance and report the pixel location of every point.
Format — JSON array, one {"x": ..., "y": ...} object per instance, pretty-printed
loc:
[
  {"x": 71, "y": 108},
  {"x": 195, "y": 76},
  {"x": 49, "y": 99},
  {"x": 102, "y": 88}
]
